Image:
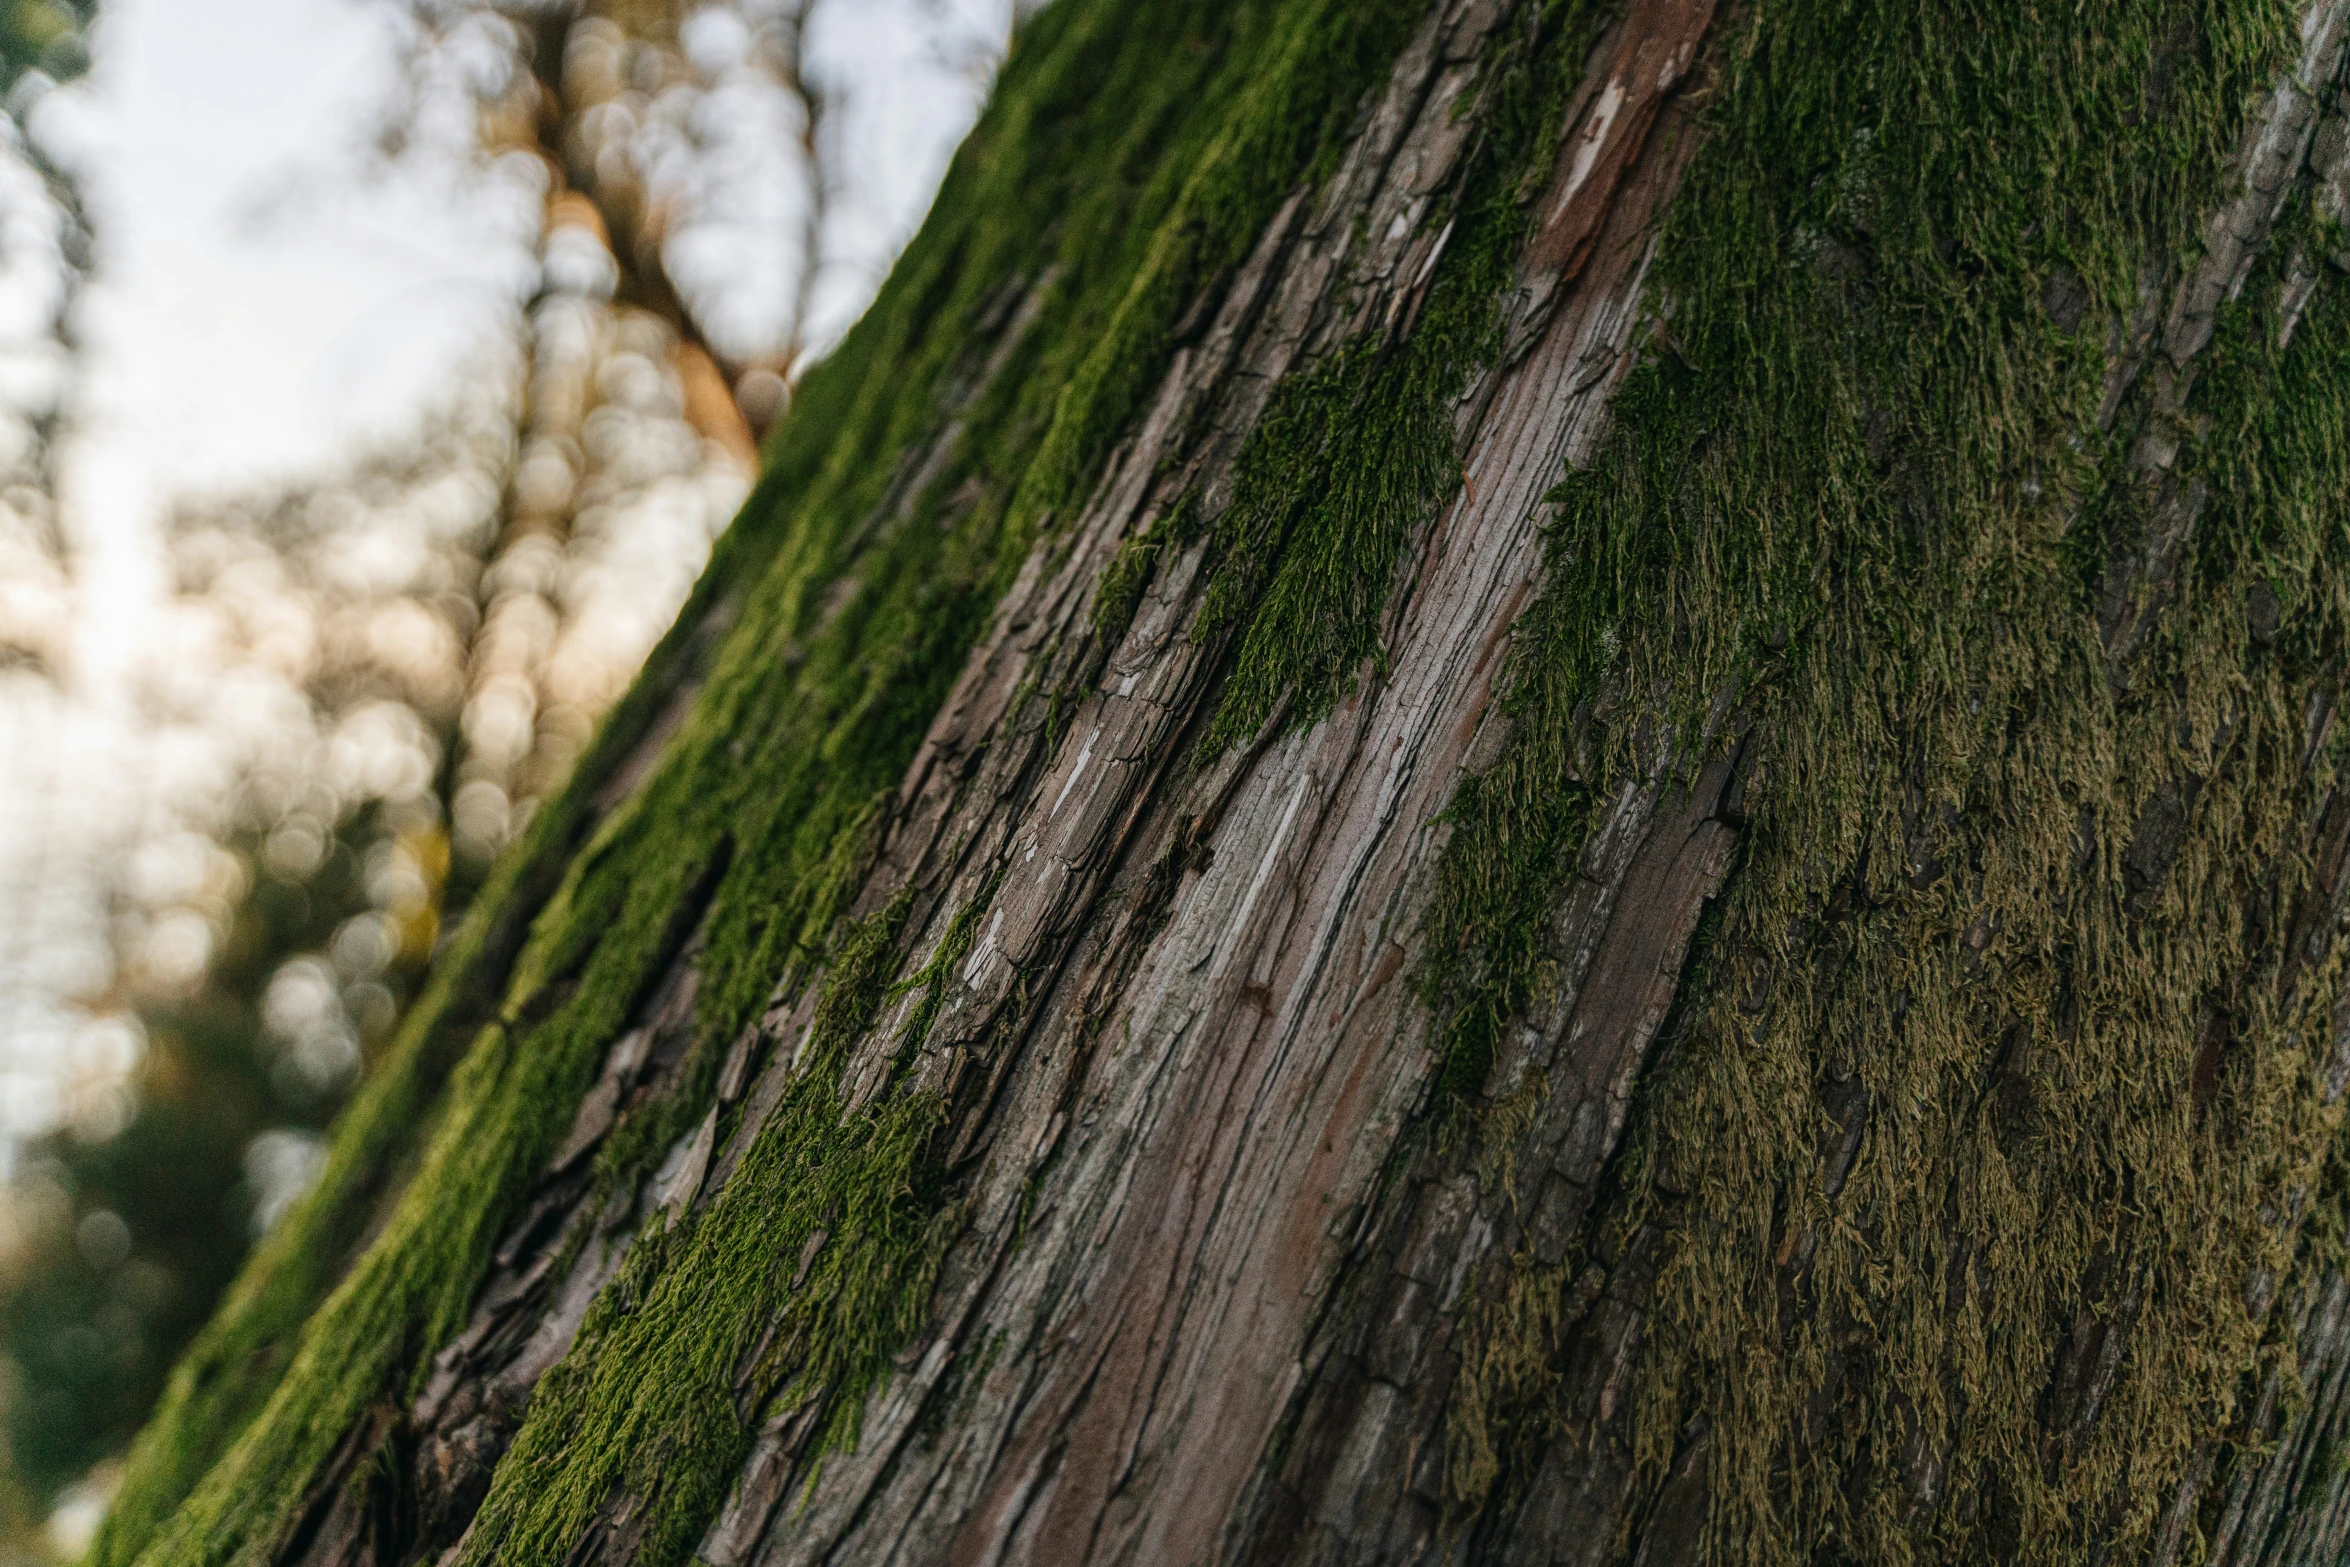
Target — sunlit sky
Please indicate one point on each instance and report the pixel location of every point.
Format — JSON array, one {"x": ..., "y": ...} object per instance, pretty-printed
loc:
[
  {"x": 217, "y": 350},
  {"x": 260, "y": 297}
]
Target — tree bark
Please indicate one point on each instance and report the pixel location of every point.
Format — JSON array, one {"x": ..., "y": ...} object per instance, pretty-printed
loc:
[{"x": 1775, "y": 1000}]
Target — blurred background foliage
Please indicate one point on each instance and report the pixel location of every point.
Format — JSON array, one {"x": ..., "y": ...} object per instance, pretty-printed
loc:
[
  {"x": 358, "y": 686},
  {"x": 49, "y": 36}
]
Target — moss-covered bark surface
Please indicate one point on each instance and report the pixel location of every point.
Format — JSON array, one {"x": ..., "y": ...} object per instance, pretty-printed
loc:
[
  {"x": 2002, "y": 1093},
  {"x": 1962, "y": 577}
]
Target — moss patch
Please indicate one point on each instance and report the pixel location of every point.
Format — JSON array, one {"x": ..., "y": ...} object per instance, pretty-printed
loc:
[
  {"x": 2038, "y": 914},
  {"x": 1357, "y": 452},
  {"x": 236, "y": 1363},
  {"x": 801, "y": 1280}
]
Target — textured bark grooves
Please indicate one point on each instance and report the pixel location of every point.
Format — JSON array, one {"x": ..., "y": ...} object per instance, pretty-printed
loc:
[{"x": 1788, "y": 1010}]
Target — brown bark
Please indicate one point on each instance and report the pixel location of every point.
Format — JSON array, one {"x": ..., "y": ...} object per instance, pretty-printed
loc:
[
  {"x": 1160, "y": 1216},
  {"x": 1206, "y": 1303}
]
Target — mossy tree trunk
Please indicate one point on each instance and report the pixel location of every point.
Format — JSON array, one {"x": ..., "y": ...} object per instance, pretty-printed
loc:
[{"x": 1496, "y": 780}]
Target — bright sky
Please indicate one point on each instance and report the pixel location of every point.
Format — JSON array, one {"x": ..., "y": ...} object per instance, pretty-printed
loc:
[
  {"x": 216, "y": 352},
  {"x": 219, "y": 350}
]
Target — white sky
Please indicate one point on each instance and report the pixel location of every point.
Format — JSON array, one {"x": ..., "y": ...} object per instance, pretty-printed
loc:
[{"x": 262, "y": 303}]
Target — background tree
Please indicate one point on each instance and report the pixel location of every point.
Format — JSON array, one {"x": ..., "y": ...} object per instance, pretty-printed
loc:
[
  {"x": 1494, "y": 781},
  {"x": 44, "y": 260}
]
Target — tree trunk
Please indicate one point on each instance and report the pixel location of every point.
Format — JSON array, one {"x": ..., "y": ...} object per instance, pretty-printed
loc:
[{"x": 1502, "y": 780}]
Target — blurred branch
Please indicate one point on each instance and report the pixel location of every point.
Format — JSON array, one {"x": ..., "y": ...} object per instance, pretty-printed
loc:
[{"x": 792, "y": 72}]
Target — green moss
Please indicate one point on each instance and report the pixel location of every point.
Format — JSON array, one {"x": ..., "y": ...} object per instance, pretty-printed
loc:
[
  {"x": 1119, "y": 593},
  {"x": 1863, "y": 487},
  {"x": 800, "y": 1280},
  {"x": 238, "y": 1361},
  {"x": 930, "y": 980},
  {"x": 1131, "y": 156},
  {"x": 709, "y": 1322},
  {"x": 1356, "y": 452}
]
